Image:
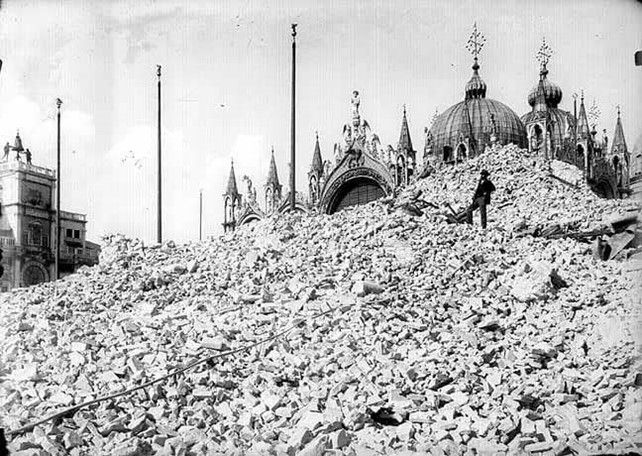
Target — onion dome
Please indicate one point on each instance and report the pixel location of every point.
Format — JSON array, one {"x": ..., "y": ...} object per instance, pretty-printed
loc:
[
  {"x": 476, "y": 87},
  {"x": 552, "y": 92}
]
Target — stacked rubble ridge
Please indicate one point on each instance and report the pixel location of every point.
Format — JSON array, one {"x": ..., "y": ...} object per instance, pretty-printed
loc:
[{"x": 381, "y": 329}]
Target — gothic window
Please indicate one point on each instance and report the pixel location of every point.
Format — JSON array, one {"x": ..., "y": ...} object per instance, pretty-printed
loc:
[
  {"x": 448, "y": 154},
  {"x": 228, "y": 210},
  {"x": 461, "y": 152},
  {"x": 537, "y": 137},
  {"x": 618, "y": 170},
  {"x": 268, "y": 199},
  {"x": 411, "y": 166},
  {"x": 313, "y": 188},
  {"x": 401, "y": 170},
  {"x": 580, "y": 156}
]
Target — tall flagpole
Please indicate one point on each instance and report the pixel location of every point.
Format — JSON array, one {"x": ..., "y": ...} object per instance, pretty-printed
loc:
[
  {"x": 159, "y": 230},
  {"x": 292, "y": 147},
  {"x": 58, "y": 230},
  {"x": 200, "y": 215}
]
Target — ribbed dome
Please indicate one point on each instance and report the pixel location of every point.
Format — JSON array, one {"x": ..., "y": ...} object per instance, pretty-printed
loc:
[
  {"x": 552, "y": 92},
  {"x": 476, "y": 87},
  {"x": 472, "y": 118}
]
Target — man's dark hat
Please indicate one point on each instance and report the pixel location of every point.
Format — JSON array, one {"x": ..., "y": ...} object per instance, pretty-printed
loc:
[{"x": 484, "y": 173}]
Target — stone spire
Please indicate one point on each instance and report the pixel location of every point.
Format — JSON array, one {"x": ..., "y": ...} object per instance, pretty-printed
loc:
[
  {"x": 272, "y": 188},
  {"x": 405, "y": 143},
  {"x": 619, "y": 143},
  {"x": 583, "y": 129},
  {"x": 231, "y": 188},
  {"x": 273, "y": 178},
  {"x": 317, "y": 161}
]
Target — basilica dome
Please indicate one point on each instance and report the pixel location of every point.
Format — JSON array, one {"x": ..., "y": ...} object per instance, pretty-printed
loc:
[
  {"x": 466, "y": 128},
  {"x": 552, "y": 92},
  {"x": 544, "y": 99}
]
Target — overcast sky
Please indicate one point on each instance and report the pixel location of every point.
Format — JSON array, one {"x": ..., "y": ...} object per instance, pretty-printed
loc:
[{"x": 226, "y": 86}]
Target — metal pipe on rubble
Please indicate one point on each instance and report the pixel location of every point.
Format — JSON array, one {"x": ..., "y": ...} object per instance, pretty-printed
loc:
[
  {"x": 58, "y": 229},
  {"x": 292, "y": 147},
  {"x": 159, "y": 227}
]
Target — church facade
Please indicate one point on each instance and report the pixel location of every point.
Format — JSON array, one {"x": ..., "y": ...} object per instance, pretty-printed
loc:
[
  {"x": 361, "y": 170},
  {"x": 28, "y": 224}
]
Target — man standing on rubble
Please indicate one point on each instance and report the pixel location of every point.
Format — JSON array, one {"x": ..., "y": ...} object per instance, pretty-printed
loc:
[{"x": 481, "y": 198}]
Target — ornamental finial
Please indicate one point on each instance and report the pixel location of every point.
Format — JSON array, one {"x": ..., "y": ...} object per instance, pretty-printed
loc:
[
  {"x": 158, "y": 71},
  {"x": 594, "y": 113},
  {"x": 294, "y": 30},
  {"x": 475, "y": 43},
  {"x": 618, "y": 111},
  {"x": 544, "y": 54}
]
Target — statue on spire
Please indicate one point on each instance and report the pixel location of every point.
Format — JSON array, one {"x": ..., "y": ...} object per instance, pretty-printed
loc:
[{"x": 356, "y": 101}]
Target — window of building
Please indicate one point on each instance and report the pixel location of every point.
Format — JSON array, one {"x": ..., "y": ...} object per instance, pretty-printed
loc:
[
  {"x": 70, "y": 232},
  {"x": 76, "y": 234}
]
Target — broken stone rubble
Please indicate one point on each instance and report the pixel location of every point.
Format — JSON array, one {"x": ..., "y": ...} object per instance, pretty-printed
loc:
[{"x": 423, "y": 318}]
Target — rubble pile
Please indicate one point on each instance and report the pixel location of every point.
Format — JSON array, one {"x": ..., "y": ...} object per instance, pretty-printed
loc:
[{"x": 370, "y": 331}]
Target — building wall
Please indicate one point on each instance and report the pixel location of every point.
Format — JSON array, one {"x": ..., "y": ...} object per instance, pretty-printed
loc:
[{"x": 27, "y": 228}]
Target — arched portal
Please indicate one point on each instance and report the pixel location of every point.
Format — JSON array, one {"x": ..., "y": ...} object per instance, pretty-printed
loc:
[
  {"x": 604, "y": 189},
  {"x": 249, "y": 219},
  {"x": 461, "y": 152},
  {"x": 360, "y": 190}
]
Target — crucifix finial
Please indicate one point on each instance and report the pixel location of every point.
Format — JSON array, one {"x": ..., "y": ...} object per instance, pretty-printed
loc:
[
  {"x": 544, "y": 54},
  {"x": 475, "y": 43}
]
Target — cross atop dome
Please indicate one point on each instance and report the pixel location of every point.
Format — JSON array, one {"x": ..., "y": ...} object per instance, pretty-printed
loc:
[
  {"x": 544, "y": 54},
  {"x": 475, "y": 43}
]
